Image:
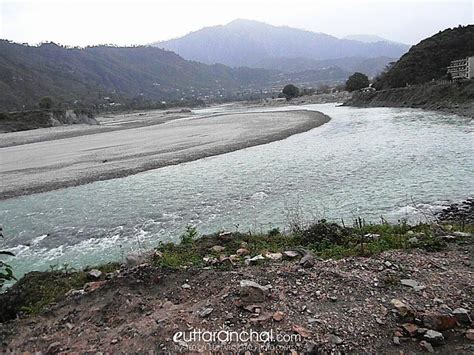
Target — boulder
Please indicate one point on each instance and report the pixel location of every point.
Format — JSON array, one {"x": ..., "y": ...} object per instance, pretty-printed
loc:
[
  {"x": 274, "y": 256},
  {"x": 254, "y": 260},
  {"x": 307, "y": 261},
  {"x": 242, "y": 251},
  {"x": 252, "y": 292},
  {"x": 291, "y": 254},
  {"x": 94, "y": 274},
  {"x": 462, "y": 315},
  {"x": 402, "y": 308},
  {"x": 433, "y": 337},
  {"x": 439, "y": 321}
]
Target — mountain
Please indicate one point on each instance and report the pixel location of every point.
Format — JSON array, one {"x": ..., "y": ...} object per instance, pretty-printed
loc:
[
  {"x": 104, "y": 75},
  {"x": 428, "y": 60},
  {"x": 247, "y": 43},
  {"x": 367, "y": 38},
  {"x": 368, "y": 66}
]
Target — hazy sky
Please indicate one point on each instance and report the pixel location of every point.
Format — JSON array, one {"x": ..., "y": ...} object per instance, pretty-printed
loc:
[{"x": 140, "y": 22}]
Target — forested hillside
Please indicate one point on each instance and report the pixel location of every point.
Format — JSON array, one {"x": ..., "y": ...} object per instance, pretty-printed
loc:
[{"x": 428, "y": 59}]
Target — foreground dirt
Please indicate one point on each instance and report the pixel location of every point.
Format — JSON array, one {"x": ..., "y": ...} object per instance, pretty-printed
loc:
[
  {"x": 74, "y": 156},
  {"x": 342, "y": 306}
]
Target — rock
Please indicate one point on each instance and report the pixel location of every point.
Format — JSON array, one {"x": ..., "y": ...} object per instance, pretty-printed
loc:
[
  {"x": 388, "y": 264},
  {"x": 92, "y": 286},
  {"x": 186, "y": 286},
  {"x": 242, "y": 252},
  {"x": 409, "y": 282},
  {"x": 332, "y": 298},
  {"x": 253, "y": 308},
  {"x": 439, "y": 321},
  {"x": 421, "y": 331},
  {"x": 54, "y": 348},
  {"x": 290, "y": 254},
  {"x": 448, "y": 238},
  {"x": 218, "y": 248},
  {"x": 334, "y": 339},
  {"x": 403, "y": 309},
  {"x": 462, "y": 315},
  {"x": 278, "y": 316},
  {"x": 305, "y": 333},
  {"x": 427, "y": 346},
  {"x": 265, "y": 317},
  {"x": 307, "y": 261},
  {"x": 209, "y": 260},
  {"x": 470, "y": 334},
  {"x": 396, "y": 340},
  {"x": 372, "y": 236},
  {"x": 410, "y": 329},
  {"x": 254, "y": 260},
  {"x": 94, "y": 274},
  {"x": 413, "y": 240},
  {"x": 225, "y": 235},
  {"x": 234, "y": 258},
  {"x": 434, "y": 337},
  {"x": 204, "y": 312},
  {"x": 135, "y": 259},
  {"x": 274, "y": 256},
  {"x": 75, "y": 293},
  {"x": 461, "y": 234},
  {"x": 252, "y": 292},
  {"x": 114, "y": 341}
]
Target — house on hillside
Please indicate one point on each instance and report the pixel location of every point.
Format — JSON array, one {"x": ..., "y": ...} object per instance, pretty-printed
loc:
[{"x": 461, "y": 68}]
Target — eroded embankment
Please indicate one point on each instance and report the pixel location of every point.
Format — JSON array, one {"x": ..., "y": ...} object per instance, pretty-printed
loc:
[{"x": 455, "y": 98}]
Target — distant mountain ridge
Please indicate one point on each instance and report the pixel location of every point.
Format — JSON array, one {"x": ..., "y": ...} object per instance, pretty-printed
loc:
[{"x": 248, "y": 43}]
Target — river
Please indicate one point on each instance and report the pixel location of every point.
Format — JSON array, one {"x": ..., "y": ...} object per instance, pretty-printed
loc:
[{"x": 391, "y": 162}]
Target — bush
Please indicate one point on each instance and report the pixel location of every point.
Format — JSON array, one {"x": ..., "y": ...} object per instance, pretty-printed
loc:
[{"x": 190, "y": 235}]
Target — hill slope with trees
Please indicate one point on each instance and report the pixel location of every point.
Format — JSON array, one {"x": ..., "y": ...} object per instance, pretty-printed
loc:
[
  {"x": 94, "y": 76},
  {"x": 428, "y": 59}
]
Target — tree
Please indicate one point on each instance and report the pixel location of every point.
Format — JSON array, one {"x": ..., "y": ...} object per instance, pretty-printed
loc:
[
  {"x": 290, "y": 91},
  {"x": 46, "y": 103},
  {"x": 357, "y": 81}
]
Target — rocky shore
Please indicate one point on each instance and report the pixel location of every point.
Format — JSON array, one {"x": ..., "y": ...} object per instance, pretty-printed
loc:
[
  {"x": 457, "y": 98},
  {"x": 324, "y": 288}
]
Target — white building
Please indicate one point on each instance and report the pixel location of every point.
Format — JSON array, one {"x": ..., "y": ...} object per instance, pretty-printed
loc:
[{"x": 462, "y": 68}]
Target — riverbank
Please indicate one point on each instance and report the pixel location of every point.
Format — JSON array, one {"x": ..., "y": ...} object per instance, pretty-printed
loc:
[
  {"x": 457, "y": 98},
  {"x": 33, "y": 119},
  {"x": 375, "y": 288},
  {"x": 37, "y": 161}
]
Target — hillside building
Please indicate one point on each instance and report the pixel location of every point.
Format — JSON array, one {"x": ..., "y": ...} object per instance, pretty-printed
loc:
[{"x": 461, "y": 68}]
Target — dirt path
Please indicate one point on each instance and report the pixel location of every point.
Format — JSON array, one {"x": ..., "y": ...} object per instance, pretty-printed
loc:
[{"x": 31, "y": 162}]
